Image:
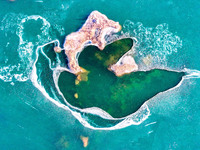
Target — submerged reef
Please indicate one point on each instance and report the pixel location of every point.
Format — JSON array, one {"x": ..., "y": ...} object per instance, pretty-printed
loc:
[{"x": 93, "y": 33}]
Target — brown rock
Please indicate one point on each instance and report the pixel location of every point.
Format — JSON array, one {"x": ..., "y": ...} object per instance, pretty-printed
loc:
[
  {"x": 76, "y": 95},
  {"x": 92, "y": 33},
  {"x": 124, "y": 66},
  {"x": 84, "y": 140},
  {"x": 57, "y": 49}
]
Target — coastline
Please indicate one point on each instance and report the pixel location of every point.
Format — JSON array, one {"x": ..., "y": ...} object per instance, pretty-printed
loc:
[
  {"x": 76, "y": 112},
  {"x": 93, "y": 32},
  {"x": 124, "y": 121}
]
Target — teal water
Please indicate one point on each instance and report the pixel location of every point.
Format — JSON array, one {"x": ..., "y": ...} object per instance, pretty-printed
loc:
[{"x": 168, "y": 31}]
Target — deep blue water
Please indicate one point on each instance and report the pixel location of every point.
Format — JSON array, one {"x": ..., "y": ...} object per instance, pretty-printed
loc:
[{"x": 29, "y": 120}]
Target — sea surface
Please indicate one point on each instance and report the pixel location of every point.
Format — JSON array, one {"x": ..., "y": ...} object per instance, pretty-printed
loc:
[{"x": 35, "y": 113}]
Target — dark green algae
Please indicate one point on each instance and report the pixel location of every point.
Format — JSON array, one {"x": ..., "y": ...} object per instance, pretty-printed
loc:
[{"x": 119, "y": 96}]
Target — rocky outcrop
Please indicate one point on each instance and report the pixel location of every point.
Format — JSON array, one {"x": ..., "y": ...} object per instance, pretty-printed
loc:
[
  {"x": 84, "y": 140},
  {"x": 124, "y": 66},
  {"x": 93, "y": 33}
]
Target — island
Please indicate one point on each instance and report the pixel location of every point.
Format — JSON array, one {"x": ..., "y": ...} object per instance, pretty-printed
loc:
[
  {"x": 93, "y": 33},
  {"x": 105, "y": 75}
]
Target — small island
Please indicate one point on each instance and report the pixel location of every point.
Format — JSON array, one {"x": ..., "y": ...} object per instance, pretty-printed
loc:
[
  {"x": 93, "y": 33},
  {"x": 106, "y": 75}
]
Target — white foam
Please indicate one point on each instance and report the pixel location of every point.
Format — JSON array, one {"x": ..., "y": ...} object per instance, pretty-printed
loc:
[
  {"x": 14, "y": 24},
  {"x": 191, "y": 73},
  {"x": 39, "y": 1},
  {"x": 150, "y": 124},
  {"x": 157, "y": 42},
  {"x": 150, "y": 132}
]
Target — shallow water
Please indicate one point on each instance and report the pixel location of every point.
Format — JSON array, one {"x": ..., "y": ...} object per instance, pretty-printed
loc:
[
  {"x": 119, "y": 96},
  {"x": 168, "y": 32}
]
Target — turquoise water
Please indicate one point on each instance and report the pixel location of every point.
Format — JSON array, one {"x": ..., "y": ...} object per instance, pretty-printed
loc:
[{"x": 168, "y": 31}]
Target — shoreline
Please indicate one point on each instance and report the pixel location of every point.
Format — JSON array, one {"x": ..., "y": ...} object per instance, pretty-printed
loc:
[
  {"x": 76, "y": 112},
  {"x": 93, "y": 33}
]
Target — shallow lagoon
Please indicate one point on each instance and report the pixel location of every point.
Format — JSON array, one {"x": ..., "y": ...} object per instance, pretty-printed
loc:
[{"x": 119, "y": 96}]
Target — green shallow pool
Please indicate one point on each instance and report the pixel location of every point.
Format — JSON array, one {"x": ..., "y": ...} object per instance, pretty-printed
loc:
[{"x": 119, "y": 96}]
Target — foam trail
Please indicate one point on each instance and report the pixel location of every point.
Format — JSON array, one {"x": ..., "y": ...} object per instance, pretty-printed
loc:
[
  {"x": 192, "y": 73},
  {"x": 150, "y": 124},
  {"x": 38, "y": 1},
  {"x": 150, "y": 132},
  {"x": 31, "y": 106}
]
